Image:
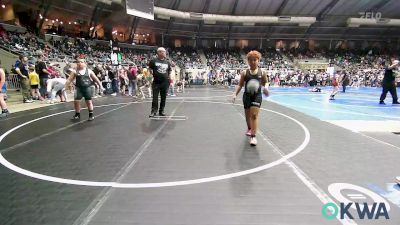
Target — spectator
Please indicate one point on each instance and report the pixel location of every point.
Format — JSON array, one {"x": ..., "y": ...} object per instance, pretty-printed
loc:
[
  {"x": 54, "y": 86},
  {"x": 132, "y": 77},
  {"x": 34, "y": 82},
  {"x": 41, "y": 69},
  {"x": 3, "y": 91},
  {"x": 23, "y": 72}
]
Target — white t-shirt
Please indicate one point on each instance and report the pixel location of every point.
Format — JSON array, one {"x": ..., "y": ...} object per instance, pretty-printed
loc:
[{"x": 51, "y": 83}]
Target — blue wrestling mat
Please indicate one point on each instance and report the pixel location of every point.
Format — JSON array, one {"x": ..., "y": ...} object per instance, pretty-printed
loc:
[{"x": 355, "y": 104}]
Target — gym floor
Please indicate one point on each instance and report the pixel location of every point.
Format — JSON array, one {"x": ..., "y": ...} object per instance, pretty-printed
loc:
[{"x": 197, "y": 167}]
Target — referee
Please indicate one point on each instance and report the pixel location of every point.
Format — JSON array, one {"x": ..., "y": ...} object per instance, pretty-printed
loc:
[
  {"x": 161, "y": 69},
  {"x": 389, "y": 83}
]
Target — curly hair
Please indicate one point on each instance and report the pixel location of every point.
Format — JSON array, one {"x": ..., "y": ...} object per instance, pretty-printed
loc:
[{"x": 253, "y": 54}]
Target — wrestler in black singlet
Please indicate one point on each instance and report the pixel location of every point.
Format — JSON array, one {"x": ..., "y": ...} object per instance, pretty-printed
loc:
[{"x": 250, "y": 100}]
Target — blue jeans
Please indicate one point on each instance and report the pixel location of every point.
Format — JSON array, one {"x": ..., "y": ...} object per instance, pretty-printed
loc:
[
  {"x": 132, "y": 87},
  {"x": 114, "y": 86},
  {"x": 4, "y": 88},
  {"x": 43, "y": 87},
  {"x": 171, "y": 89}
]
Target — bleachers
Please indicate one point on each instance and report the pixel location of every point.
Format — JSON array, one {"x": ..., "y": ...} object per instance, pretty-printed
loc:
[
  {"x": 224, "y": 58},
  {"x": 187, "y": 58}
]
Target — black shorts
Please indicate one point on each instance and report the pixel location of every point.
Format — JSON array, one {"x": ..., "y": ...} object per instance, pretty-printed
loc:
[
  {"x": 35, "y": 86},
  {"x": 84, "y": 92},
  {"x": 252, "y": 101}
]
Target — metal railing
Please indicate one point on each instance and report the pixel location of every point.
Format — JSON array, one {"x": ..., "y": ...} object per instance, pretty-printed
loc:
[{"x": 13, "y": 82}]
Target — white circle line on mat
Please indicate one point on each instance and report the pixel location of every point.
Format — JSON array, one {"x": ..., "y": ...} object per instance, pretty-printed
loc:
[{"x": 25, "y": 172}]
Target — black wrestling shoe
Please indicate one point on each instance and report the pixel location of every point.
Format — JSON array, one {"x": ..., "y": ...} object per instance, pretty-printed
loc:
[
  {"x": 76, "y": 117},
  {"x": 91, "y": 118},
  {"x": 161, "y": 114},
  {"x": 4, "y": 114}
]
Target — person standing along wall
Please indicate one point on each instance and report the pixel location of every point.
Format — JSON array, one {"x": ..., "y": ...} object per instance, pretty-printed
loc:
[
  {"x": 41, "y": 69},
  {"x": 34, "y": 82},
  {"x": 132, "y": 77},
  {"x": 23, "y": 72},
  {"x": 3, "y": 91}
]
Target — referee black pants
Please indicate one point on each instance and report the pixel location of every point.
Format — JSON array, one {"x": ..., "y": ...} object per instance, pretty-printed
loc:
[
  {"x": 161, "y": 89},
  {"x": 389, "y": 87}
]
